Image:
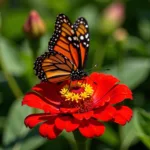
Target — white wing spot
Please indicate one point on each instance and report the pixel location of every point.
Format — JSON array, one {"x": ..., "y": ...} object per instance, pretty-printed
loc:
[
  {"x": 75, "y": 38},
  {"x": 87, "y": 35},
  {"x": 72, "y": 31},
  {"x": 81, "y": 37},
  {"x": 69, "y": 38},
  {"x": 86, "y": 26}
]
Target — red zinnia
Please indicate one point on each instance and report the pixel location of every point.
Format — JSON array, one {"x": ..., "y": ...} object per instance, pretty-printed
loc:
[{"x": 83, "y": 105}]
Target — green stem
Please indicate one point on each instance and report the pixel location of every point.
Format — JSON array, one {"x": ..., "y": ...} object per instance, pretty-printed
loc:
[
  {"x": 11, "y": 80},
  {"x": 35, "y": 45},
  {"x": 120, "y": 56},
  {"x": 100, "y": 58},
  {"x": 80, "y": 141}
]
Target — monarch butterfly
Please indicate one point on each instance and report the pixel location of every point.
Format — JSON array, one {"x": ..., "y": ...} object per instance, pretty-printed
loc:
[{"x": 67, "y": 52}]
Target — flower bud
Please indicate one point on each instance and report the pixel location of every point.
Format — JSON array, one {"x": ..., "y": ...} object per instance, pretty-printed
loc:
[
  {"x": 34, "y": 26},
  {"x": 120, "y": 35},
  {"x": 112, "y": 17}
]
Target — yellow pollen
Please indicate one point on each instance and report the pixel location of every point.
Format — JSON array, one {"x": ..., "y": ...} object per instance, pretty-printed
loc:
[{"x": 71, "y": 96}]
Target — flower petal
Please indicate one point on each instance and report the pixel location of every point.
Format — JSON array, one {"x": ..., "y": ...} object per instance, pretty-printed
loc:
[
  {"x": 103, "y": 84},
  {"x": 86, "y": 115},
  {"x": 91, "y": 128},
  {"x": 34, "y": 119},
  {"x": 68, "y": 110},
  {"x": 123, "y": 115},
  {"x": 49, "y": 130},
  {"x": 49, "y": 91},
  {"x": 34, "y": 100},
  {"x": 66, "y": 122},
  {"x": 120, "y": 93},
  {"x": 105, "y": 113}
]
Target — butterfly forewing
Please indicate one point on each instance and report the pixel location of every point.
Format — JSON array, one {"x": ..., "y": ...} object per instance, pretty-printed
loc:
[
  {"x": 53, "y": 67},
  {"x": 65, "y": 40},
  {"x": 82, "y": 31},
  {"x": 67, "y": 54}
]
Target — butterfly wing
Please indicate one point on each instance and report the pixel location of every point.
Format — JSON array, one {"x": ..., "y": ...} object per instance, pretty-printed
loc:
[
  {"x": 64, "y": 40},
  {"x": 82, "y": 31},
  {"x": 53, "y": 67}
]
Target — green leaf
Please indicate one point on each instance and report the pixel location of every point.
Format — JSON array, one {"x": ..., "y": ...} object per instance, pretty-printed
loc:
[
  {"x": 110, "y": 137},
  {"x": 137, "y": 45},
  {"x": 132, "y": 71},
  {"x": 10, "y": 57},
  {"x": 128, "y": 135},
  {"x": 141, "y": 123},
  {"x": 144, "y": 29},
  {"x": 70, "y": 138},
  {"x": 16, "y": 135},
  {"x": 15, "y": 128},
  {"x": 32, "y": 140}
]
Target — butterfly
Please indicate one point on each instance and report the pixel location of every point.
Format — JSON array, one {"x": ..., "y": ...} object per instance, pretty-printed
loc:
[{"x": 67, "y": 52}]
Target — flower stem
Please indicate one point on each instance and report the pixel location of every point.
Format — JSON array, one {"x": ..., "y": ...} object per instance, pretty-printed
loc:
[
  {"x": 101, "y": 57},
  {"x": 10, "y": 79},
  {"x": 34, "y": 45},
  {"x": 80, "y": 141},
  {"x": 120, "y": 57}
]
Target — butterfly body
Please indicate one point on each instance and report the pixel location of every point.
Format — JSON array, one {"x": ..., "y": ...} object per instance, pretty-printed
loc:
[
  {"x": 78, "y": 75},
  {"x": 67, "y": 55}
]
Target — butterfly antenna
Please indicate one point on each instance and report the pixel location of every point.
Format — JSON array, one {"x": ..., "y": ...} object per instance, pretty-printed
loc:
[{"x": 95, "y": 66}]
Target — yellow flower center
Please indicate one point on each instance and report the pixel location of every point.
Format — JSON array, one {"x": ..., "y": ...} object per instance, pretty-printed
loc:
[{"x": 77, "y": 92}]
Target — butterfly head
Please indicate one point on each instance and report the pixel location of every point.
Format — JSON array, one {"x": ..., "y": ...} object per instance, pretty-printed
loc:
[{"x": 78, "y": 74}]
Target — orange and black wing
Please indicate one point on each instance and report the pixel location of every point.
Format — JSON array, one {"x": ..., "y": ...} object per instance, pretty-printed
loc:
[
  {"x": 82, "y": 31},
  {"x": 53, "y": 67},
  {"x": 65, "y": 40}
]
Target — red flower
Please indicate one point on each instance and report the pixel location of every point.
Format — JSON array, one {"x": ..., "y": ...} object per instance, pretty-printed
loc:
[{"x": 83, "y": 105}]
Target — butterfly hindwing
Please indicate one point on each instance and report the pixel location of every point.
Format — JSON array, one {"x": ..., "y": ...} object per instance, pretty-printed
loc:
[
  {"x": 82, "y": 31},
  {"x": 53, "y": 67},
  {"x": 65, "y": 40}
]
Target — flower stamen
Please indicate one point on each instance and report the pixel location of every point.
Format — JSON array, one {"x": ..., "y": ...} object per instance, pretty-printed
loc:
[{"x": 78, "y": 92}]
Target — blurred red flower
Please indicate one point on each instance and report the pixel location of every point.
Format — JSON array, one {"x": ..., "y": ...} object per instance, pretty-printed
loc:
[{"x": 83, "y": 105}]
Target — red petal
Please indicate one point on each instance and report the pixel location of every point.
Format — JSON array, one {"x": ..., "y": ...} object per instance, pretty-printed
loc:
[
  {"x": 91, "y": 128},
  {"x": 120, "y": 93},
  {"x": 66, "y": 122},
  {"x": 33, "y": 100},
  {"x": 82, "y": 116},
  {"x": 103, "y": 84},
  {"x": 49, "y": 130},
  {"x": 123, "y": 115},
  {"x": 34, "y": 119},
  {"x": 68, "y": 110},
  {"x": 49, "y": 91},
  {"x": 105, "y": 113}
]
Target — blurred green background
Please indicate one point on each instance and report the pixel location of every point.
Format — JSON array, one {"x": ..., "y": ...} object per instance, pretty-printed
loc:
[{"x": 120, "y": 42}]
